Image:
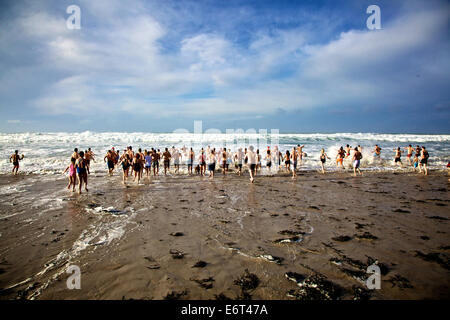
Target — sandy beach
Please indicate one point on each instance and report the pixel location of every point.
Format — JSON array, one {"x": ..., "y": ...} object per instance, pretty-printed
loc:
[{"x": 181, "y": 237}]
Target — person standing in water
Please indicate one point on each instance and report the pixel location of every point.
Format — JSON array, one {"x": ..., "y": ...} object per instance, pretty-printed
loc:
[
  {"x": 148, "y": 164},
  {"x": 410, "y": 150},
  {"x": 224, "y": 160},
  {"x": 287, "y": 161},
  {"x": 268, "y": 159},
  {"x": 82, "y": 170},
  {"x": 252, "y": 161},
  {"x": 357, "y": 156},
  {"x": 72, "y": 174},
  {"x": 340, "y": 158},
  {"x": 239, "y": 156},
  {"x": 190, "y": 161},
  {"x": 202, "y": 162},
  {"x": 294, "y": 157},
  {"x": 323, "y": 158},
  {"x": 211, "y": 163},
  {"x": 398, "y": 155},
  {"x": 126, "y": 164},
  {"x": 109, "y": 158},
  {"x": 300, "y": 153},
  {"x": 15, "y": 158},
  {"x": 424, "y": 161},
  {"x": 166, "y": 156},
  {"x": 377, "y": 153}
]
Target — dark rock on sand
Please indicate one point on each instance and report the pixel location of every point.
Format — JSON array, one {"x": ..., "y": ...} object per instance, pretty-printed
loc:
[
  {"x": 295, "y": 277},
  {"x": 434, "y": 257},
  {"x": 360, "y": 293},
  {"x": 176, "y": 234},
  {"x": 316, "y": 287},
  {"x": 174, "y": 295},
  {"x": 424, "y": 238},
  {"x": 204, "y": 283},
  {"x": 365, "y": 236},
  {"x": 221, "y": 296},
  {"x": 402, "y": 211},
  {"x": 200, "y": 264},
  {"x": 400, "y": 282},
  {"x": 437, "y": 218},
  {"x": 176, "y": 254},
  {"x": 248, "y": 282},
  {"x": 342, "y": 238}
]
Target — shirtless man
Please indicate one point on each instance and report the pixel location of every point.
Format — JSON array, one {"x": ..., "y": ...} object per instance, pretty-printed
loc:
[
  {"x": 166, "y": 157},
  {"x": 15, "y": 158},
  {"x": 357, "y": 156},
  {"x": 398, "y": 154},
  {"x": 224, "y": 160},
  {"x": 155, "y": 162},
  {"x": 89, "y": 155},
  {"x": 202, "y": 162},
  {"x": 75, "y": 154},
  {"x": 347, "y": 150},
  {"x": 109, "y": 158},
  {"x": 377, "y": 153},
  {"x": 239, "y": 157},
  {"x": 340, "y": 157},
  {"x": 409, "y": 154},
  {"x": 252, "y": 161},
  {"x": 176, "y": 155},
  {"x": 300, "y": 152},
  {"x": 294, "y": 157}
]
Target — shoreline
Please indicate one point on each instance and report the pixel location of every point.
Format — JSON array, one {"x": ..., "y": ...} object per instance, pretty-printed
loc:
[{"x": 142, "y": 241}]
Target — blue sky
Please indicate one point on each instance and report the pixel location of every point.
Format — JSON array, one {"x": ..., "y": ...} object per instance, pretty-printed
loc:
[{"x": 155, "y": 66}]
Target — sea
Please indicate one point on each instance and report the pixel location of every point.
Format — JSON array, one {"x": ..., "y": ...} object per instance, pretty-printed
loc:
[{"x": 49, "y": 153}]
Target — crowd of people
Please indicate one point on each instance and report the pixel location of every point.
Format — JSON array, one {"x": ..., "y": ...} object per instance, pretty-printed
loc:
[{"x": 140, "y": 163}]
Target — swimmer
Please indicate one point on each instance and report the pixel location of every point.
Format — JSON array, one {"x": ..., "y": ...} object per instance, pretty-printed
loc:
[
  {"x": 397, "y": 159},
  {"x": 357, "y": 156},
  {"x": 137, "y": 164},
  {"x": 340, "y": 158},
  {"x": 166, "y": 156},
  {"x": 424, "y": 161},
  {"x": 15, "y": 158},
  {"x": 252, "y": 161},
  {"x": 410, "y": 150},
  {"x": 211, "y": 163},
  {"x": 287, "y": 161},
  {"x": 323, "y": 158},
  {"x": 126, "y": 164},
  {"x": 72, "y": 174},
  {"x": 83, "y": 171}
]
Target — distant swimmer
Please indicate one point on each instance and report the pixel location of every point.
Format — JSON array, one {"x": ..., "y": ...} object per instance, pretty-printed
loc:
[
  {"x": 126, "y": 164},
  {"x": 239, "y": 157},
  {"x": 109, "y": 158},
  {"x": 357, "y": 156},
  {"x": 410, "y": 150},
  {"x": 82, "y": 170},
  {"x": 166, "y": 156},
  {"x": 72, "y": 174},
  {"x": 15, "y": 158},
  {"x": 398, "y": 155},
  {"x": 137, "y": 165},
  {"x": 340, "y": 158},
  {"x": 377, "y": 153},
  {"x": 323, "y": 158},
  {"x": 424, "y": 161},
  {"x": 287, "y": 161},
  {"x": 252, "y": 161},
  {"x": 211, "y": 163}
]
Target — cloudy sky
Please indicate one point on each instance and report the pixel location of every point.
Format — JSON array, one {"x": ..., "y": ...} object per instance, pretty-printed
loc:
[{"x": 155, "y": 66}]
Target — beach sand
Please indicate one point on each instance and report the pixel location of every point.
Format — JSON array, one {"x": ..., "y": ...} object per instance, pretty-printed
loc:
[{"x": 183, "y": 237}]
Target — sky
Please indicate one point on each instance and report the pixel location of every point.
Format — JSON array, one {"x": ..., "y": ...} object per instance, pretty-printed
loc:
[{"x": 156, "y": 66}]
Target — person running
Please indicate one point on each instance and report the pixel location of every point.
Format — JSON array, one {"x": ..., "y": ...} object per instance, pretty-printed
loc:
[
  {"x": 155, "y": 162},
  {"x": 424, "y": 161},
  {"x": 268, "y": 159},
  {"x": 190, "y": 161},
  {"x": 294, "y": 157},
  {"x": 176, "y": 160},
  {"x": 348, "y": 149},
  {"x": 166, "y": 156},
  {"x": 15, "y": 158},
  {"x": 252, "y": 161},
  {"x": 202, "y": 162},
  {"x": 224, "y": 160},
  {"x": 323, "y": 158},
  {"x": 72, "y": 174},
  {"x": 126, "y": 164},
  {"x": 148, "y": 164},
  {"x": 357, "y": 156},
  {"x": 82, "y": 171},
  {"x": 109, "y": 158},
  {"x": 211, "y": 163},
  {"x": 287, "y": 161},
  {"x": 398, "y": 155},
  {"x": 258, "y": 159},
  {"x": 75, "y": 154},
  {"x": 377, "y": 153},
  {"x": 137, "y": 165},
  {"x": 415, "y": 162},
  {"x": 239, "y": 156},
  {"x": 340, "y": 158},
  {"x": 89, "y": 155},
  {"x": 410, "y": 150},
  {"x": 300, "y": 153}
]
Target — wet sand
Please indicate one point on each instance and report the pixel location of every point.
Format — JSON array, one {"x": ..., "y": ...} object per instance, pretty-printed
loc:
[{"x": 183, "y": 237}]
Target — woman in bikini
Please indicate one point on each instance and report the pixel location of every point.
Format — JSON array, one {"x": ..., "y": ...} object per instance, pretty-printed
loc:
[
  {"x": 323, "y": 158},
  {"x": 137, "y": 163},
  {"x": 126, "y": 164}
]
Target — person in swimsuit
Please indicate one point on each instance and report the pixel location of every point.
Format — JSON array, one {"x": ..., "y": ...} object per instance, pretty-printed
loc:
[
  {"x": 166, "y": 157},
  {"x": 287, "y": 161},
  {"x": 357, "y": 156},
  {"x": 398, "y": 154},
  {"x": 239, "y": 156},
  {"x": 268, "y": 160},
  {"x": 126, "y": 164},
  {"x": 15, "y": 158},
  {"x": 176, "y": 155},
  {"x": 109, "y": 158},
  {"x": 148, "y": 164},
  {"x": 415, "y": 162},
  {"x": 72, "y": 174},
  {"x": 424, "y": 161},
  {"x": 258, "y": 159},
  {"x": 323, "y": 158},
  {"x": 340, "y": 158},
  {"x": 155, "y": 162},
  {"x": 211, "y": 163},
  {"x": 202, "y": 162},
  {"x": 377, "y": 153},
  {"x": 252, "y": 161},
  {"x": 347, "y": 150},
  {"x": 75, "y": 154},
  {"x": 82, "y": 171},
  {"x": 190, "y": 161},
  {"x": 294, "y": 157},
  {"x": 224, "y": 160},
  {"x": 137, "y": 165},
  {"x": 300, "y": 153},
  {"x": 410, "y": 150}
]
